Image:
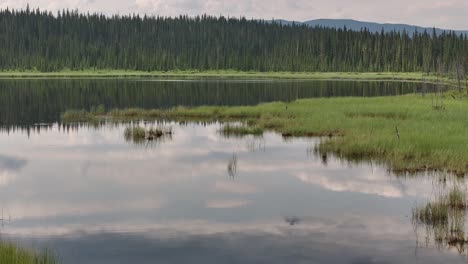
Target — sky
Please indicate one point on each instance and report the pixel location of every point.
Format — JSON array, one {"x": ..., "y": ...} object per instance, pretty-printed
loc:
[{"x": 447, "y": 14}]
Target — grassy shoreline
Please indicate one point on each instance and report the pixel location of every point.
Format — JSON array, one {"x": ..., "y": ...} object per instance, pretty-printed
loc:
[
  {"x": 13, "y": 254},
  {"x": 404, "y": 133},
  {"x": 402, "y": 76}
]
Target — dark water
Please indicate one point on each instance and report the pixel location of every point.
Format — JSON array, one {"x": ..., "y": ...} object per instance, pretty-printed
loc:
[
  {"x": 199, "y": 197},
  {"x": 36, "y": 101}
]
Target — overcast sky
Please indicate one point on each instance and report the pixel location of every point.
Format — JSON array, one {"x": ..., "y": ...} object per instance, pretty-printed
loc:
[{"x": 449, "y": 14}]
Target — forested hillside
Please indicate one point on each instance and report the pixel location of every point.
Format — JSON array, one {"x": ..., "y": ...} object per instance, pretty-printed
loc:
[{"x": 71, "y": 40}]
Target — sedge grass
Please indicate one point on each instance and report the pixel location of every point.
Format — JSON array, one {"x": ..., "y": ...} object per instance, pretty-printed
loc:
[
  {"x": 140, "y": 135},
  {"x": 444, "y": 218},
  {"x": 12, "y": 254},
  {"x": 135, "y": 134}
]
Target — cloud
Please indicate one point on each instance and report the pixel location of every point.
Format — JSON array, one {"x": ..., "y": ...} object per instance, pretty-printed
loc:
[
  {"x": 367, "y": 184},
  {"x": 9, "y": 167},
  {"x": 225, "y": 204},
  {"x": 10, "y": 163},
  {"x": 234, "y": 187},
  {"x": 445, "y": 14},
  {"x": 20, "y": 210}
]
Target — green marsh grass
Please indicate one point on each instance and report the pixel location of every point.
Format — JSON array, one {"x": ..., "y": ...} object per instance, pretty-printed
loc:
[
  {"x": 401, "y": 132},
  {"x": 444, "y": 218},
  {"x": 140, "y": 135},
  {"x": 12, "y": 254},
  {"x": 135, "y": 134}
]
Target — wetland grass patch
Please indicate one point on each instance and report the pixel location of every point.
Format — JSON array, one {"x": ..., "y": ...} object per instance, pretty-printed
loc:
[
  {"x": 444, "y": 218},
  {"x": 12, "y": 254},
  {"x": 138, "y": 135},
  {"x": 401, "y": 132}
]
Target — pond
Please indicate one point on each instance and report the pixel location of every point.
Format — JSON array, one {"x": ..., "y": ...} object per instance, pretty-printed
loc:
[{"x": 93, "y": 196}]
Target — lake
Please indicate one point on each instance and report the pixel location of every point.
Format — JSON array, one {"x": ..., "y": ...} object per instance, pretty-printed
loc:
[{"x": 93, "y": 196}]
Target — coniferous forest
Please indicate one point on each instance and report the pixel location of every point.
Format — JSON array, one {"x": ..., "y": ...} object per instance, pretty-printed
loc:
[{"x": 45, "y": 41}]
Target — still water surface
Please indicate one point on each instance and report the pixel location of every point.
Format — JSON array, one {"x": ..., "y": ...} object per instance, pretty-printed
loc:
[
  {"x": 200, "y": 197},
  {"x": 35, "y": 101}
]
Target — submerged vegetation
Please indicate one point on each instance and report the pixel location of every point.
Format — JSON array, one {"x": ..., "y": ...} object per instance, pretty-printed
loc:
[
  {"x": 404, "y": 132},
  {"x": 11, "y": 254}
]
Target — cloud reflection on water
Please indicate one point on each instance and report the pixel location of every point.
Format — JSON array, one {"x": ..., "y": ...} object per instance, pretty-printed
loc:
[{"x": 91, "y": 182}]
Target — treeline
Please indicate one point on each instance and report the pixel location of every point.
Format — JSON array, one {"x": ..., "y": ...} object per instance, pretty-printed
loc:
[{"x": 35, "y": 39}]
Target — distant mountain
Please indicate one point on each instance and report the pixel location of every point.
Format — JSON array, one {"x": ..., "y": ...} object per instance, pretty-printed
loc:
[{"x": 371, "y": 26}]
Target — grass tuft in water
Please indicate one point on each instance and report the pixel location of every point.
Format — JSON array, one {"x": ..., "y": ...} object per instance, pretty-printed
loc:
[
  {"x": 437, "y": 212},
  {"x": 138, "y": 134},
  {"x": 456, "y": 199},
  {"x": 444, "y": 218},
  {"x": 135, "y": 134}
]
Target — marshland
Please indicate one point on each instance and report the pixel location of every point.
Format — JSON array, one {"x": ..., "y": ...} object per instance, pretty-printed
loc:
[{"x": 130, "y": 139}]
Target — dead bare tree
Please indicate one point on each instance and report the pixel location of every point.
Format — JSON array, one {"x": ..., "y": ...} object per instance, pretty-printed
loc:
[
  {"x": 423, "y": 85},
  {"x": 459, "y": 74},
  {"x": 437, "y": 89}
]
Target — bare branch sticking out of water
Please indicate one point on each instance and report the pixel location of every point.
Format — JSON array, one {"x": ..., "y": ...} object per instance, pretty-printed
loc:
[{"x": 232, "y": 166}]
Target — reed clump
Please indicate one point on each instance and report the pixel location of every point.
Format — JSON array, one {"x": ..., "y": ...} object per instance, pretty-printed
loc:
[
  {"x": 444, "y": 218},
  {"x": 135, "y": 134},
  {"x": 437, "y": 212}
]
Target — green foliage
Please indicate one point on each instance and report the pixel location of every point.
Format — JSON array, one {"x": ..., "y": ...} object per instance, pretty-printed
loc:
[
  {"x": 135, "y": 134},
  {"x": 444, "y": 217},
  {"x": 40, "y": 41},
  {"x": 11, "y": 254},
  {"x": 140, "y": 135}
]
